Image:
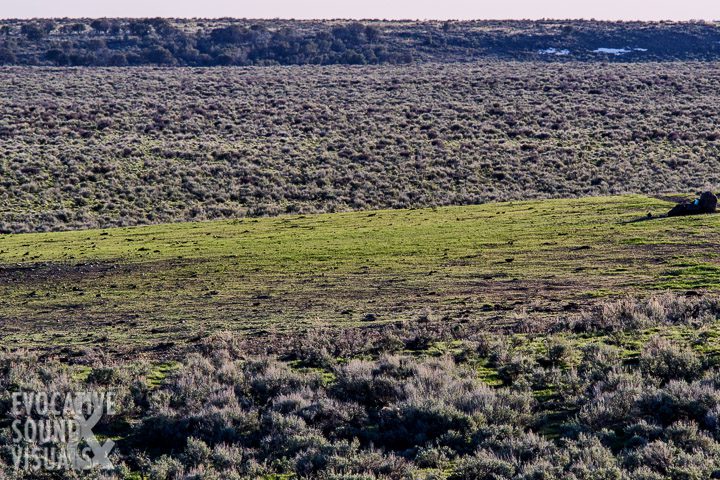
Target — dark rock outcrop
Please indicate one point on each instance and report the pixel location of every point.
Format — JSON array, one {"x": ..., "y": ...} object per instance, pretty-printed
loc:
[{"x": 707, "y": 203}]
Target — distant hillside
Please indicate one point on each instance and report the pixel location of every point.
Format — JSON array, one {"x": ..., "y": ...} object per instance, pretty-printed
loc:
[
  {"x": 175, "y": 42},
  {"x": 127, "y": 146}
]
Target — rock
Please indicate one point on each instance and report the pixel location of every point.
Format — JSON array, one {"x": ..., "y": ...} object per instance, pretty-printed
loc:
[
  {"x": 707, "y": 203},
  {"x": 369, "y": 317}
]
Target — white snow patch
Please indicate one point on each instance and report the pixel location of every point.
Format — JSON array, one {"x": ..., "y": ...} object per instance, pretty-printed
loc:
[
  {"x": 554, "y": 51},
  {"x": 612, "y": 51},
  {"x": 619, "y": 51}
]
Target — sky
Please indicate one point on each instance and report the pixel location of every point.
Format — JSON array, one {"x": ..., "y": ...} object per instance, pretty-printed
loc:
[{"x": 390, "y": 9}]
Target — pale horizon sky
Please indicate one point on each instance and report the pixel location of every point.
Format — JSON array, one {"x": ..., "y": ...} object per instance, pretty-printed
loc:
[{"x": 381, "y": 9}]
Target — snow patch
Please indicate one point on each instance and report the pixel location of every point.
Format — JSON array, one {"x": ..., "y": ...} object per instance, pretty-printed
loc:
[
  {"x": 554, "y": 51},
  {"x": 612, "y": 51},
  {"x": 619, "y": 51}
]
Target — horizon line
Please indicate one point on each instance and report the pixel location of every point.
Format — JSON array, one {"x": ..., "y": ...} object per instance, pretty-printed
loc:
[{"x": 372, "y": 19}]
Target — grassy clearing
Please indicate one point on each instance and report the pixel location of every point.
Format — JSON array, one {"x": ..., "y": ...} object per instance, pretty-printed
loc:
[{"x": 144, "y": 287}]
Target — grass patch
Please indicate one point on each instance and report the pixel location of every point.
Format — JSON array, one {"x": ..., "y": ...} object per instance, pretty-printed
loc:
[
  {"x": 692, "y": 276},
  {"x": 137, "y": 288},
  {"x": 160, "y": 372}
]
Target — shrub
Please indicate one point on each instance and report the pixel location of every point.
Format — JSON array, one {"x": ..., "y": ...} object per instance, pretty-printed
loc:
[
  {"x": 515, "y": 367},
  {"x": 614, "y": 402},
  {"x": 559, "y": 352},
  {"x": 482, "y": 466},
  {"x": 434, "y": 457},
  {"x": 667, "y": 361}
]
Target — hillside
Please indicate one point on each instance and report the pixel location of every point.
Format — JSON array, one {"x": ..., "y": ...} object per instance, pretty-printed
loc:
[
  {"x": 86, "y": 148},
  {"x": 484, "y": 266},
  {"x": 534, "y": 339},
  {"x": 204, "y": 42}
]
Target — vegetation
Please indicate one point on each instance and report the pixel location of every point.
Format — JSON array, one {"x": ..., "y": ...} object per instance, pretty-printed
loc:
[
  {"x": 98, "y": 148},
  {"x": 154, "y": 289},
  {"x": 203, "y": 42},
  {"x": 618, "y": 401},
  {"x": 435, "y": 264}
]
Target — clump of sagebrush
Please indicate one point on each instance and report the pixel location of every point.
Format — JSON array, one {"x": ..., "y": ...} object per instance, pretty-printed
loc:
[
  {"x": 322, "y": 347},
  {"x": 665, "y": 360},
  {"x": 500, "y": 407},
  {"x": 638, "y": 312}
]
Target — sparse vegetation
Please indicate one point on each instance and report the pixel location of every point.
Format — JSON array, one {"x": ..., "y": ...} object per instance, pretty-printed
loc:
[
  {"x": 364, "y": 411},
  {"x": 430, "y": 297},
  {"x": 97, "y": 147},
  {"x": 154, "y": 289}
]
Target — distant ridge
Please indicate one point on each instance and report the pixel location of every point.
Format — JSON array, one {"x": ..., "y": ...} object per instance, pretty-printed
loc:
[{"x": 234, "y": 42}]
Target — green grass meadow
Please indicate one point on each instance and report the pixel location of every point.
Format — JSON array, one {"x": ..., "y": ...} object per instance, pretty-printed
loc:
[{"x": 133, "y": 288}]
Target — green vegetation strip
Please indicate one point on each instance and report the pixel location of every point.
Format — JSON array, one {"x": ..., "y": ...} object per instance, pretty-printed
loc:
[{"x": 139, "y": 287}]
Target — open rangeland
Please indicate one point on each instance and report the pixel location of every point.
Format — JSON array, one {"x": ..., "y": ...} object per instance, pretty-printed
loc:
[
  {"x": 84, "y": 148},
  {"x": 433, "y": 271},
  {"x": 434, "y": 343},
  {"x": 128, "y": 289}
]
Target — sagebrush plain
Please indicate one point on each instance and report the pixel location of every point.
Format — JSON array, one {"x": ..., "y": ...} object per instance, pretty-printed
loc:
[
  {"x": 433, "y": 270},
  {"x": 84, "y": 148}
]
